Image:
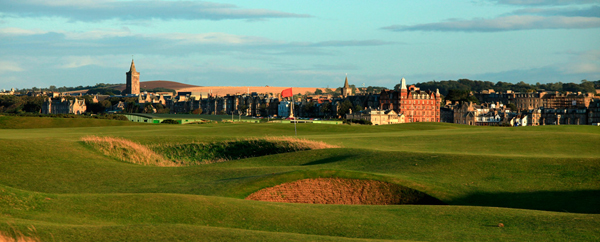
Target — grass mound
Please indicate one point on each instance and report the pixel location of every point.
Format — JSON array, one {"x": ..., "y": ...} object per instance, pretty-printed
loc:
[
  {"x": 206, "y": 153},
  {"x": 126, "y": 150},
  {"x": 342, "y": 191}
]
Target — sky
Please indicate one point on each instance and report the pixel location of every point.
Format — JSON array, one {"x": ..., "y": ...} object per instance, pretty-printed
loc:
[{"x": 295, "y": 43}]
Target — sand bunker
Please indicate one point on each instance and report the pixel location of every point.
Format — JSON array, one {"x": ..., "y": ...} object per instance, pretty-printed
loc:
[
  {"x": 127, "y": 150},
  {"x": 342, "y": 191}
]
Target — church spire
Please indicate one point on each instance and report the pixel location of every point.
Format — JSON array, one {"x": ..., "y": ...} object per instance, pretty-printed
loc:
[
  {"x": 346, "y": 83},
  {"x": 403, "y": 82},
  {"x": 132, "y": 68},
  {"x": 346, "y": 89}
]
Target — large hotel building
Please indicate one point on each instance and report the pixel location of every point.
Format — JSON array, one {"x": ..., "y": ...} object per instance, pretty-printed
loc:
[{"x": 415, "y": 104}]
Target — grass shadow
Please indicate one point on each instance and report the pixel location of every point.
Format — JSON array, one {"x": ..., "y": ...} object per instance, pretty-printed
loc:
[
  {"x": 327, "y": 160},
  {"x": 582, "y": 201}
]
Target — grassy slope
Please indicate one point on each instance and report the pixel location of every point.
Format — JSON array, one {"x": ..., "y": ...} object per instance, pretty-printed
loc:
[
  {"x": 523, "y": 168},
  {"x": 18, "y": 122}
]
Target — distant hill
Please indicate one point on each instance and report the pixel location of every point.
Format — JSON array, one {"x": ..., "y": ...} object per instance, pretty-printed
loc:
[
  {"x": 218, "y": 90},
  {"x": 159, "y": 83},
  {"x": 224, "y": 90}
]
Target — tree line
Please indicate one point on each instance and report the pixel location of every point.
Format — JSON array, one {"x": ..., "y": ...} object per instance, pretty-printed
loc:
[{"x": 478, "y": 86}]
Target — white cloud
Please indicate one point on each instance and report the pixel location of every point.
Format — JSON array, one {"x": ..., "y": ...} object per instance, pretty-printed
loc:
[
  {"x": 10, "y": 66},
  {"x": 18, "y": 31},
  {"x": 217, "y": 38},
  {"x": 98, "y": 34},
  {"x": 544, "y": 2},
  {"x": 593, "y": 11},
  {"x": 587, "y": 62},
  {"x": 89, "y": 10},
  {"x": 78, "y": 61},
  {"x": 507, "y": 23}
]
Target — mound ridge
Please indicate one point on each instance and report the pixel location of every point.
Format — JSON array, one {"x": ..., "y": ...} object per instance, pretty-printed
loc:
[
  {"x": 159, "y": 83},
  {"x": 342, "y": 191}
]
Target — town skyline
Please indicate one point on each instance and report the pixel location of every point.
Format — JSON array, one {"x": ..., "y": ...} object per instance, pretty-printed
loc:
[{"x": 308, "y": 44}]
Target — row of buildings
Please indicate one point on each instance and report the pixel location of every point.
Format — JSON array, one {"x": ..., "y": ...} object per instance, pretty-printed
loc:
[
  {"x": 404, "y": 105},
  {"x": 529, "y": 109}
]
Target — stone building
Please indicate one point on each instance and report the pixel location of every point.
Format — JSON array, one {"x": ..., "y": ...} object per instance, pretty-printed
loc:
[
  {"x": 594, "y": 112},
  {"x": 5, "y": 92},
  {"x": 64, "y": 106},
  {"x": 132, "y": 83},
  {"x": 447, "y": 114},
  {"x": 488, "y": 114},
  {"x": 415, "y": 104},
  {"x": 567, "y": 100},
  {"x": 346, "y": 90},
  {"x": 534, "y": 100},
  {"x": 528, "y": 100},
  {"x": 564, "y": 116},
  {"x": 377, "y": 117}
]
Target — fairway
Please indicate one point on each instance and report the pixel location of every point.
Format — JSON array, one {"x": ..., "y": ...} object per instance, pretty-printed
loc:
[{"x": 542, "y": 183}]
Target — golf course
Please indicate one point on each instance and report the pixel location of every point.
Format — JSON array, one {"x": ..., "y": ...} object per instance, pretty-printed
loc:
[{"x": 106, "y": 180}]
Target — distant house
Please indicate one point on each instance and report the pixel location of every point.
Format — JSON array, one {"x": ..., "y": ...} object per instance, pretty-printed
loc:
[
  {"x": 378, "y": 117},
  {"x": 118, "y": 107},
  {"x": 283, "y": 109},
  {"x": 64, "y": 106}
]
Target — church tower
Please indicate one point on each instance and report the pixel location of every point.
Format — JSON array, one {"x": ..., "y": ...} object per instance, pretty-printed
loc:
[
  {"x": 133, "y": 81},
  {"x": 346, "y": 89}
]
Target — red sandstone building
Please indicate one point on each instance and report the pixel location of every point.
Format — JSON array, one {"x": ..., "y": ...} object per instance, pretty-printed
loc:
[{"x": 416, "y": 105}]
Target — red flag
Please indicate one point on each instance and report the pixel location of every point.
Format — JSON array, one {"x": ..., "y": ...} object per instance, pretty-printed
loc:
[{"x": 287, "y": 92}]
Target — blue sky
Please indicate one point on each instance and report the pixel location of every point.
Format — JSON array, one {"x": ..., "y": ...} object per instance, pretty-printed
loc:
[{"x": 297, "y": 43}]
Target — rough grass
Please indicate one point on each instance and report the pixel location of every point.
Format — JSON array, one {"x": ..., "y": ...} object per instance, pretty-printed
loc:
[
  {"x": 17, "y": 236},
  {"x": 213, "y": 152},
  {"x": 342, "y": 191},
  {"x": 127, "y": 150}
]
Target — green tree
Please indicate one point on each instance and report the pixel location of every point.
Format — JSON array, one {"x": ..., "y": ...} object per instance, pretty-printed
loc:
[
  {"x": 357, "y": 108},
  {"x": 345, "y": 107},
  {"x": 511, "y": 106},
  {"x": 326, "y": 108}
]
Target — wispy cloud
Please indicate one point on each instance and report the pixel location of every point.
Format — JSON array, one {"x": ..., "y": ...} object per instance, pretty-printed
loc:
[
  {"x": 586, "y": 62},
  {"x": 9, "y": 66},
  {"x": 351, "y": 43},
  {"x": 16, "y": 41},
  {"x": 506, "y": 23},
  {"x": 544, "y": 2},
  {"x": 98, "y": 10},
  {"x": 593, "y": 11}
]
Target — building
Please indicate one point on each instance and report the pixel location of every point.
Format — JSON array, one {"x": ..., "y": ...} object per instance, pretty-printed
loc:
[
  {"x": 535, "y": 100},
  {"x": 64, "y": 106},
  {"x": 377, "y": 117},
  {"x": 594, "y": 112},
  {"x": 574, "y": 116},
  {"x": 5, "y": 92},
  {"x": 415, "y": 104},
  {"x": 132, "y": 83},
  {"x": 527, "y": 101},
  {"x": 346, "y": 90},
  {"x": 283, "y": 109},
  {"x": 487, "y": 114},
  {"x": 567, "y": 100}
]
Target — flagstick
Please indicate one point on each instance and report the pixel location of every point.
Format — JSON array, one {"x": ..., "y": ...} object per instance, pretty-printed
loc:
[{"x": 294, "y": 120}]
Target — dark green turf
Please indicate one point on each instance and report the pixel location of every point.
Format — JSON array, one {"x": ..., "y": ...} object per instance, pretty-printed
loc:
[{"x": 543, "y": 183}]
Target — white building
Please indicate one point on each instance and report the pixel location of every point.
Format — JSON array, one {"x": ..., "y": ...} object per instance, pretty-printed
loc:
[{"x": 283, "y": 110}]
